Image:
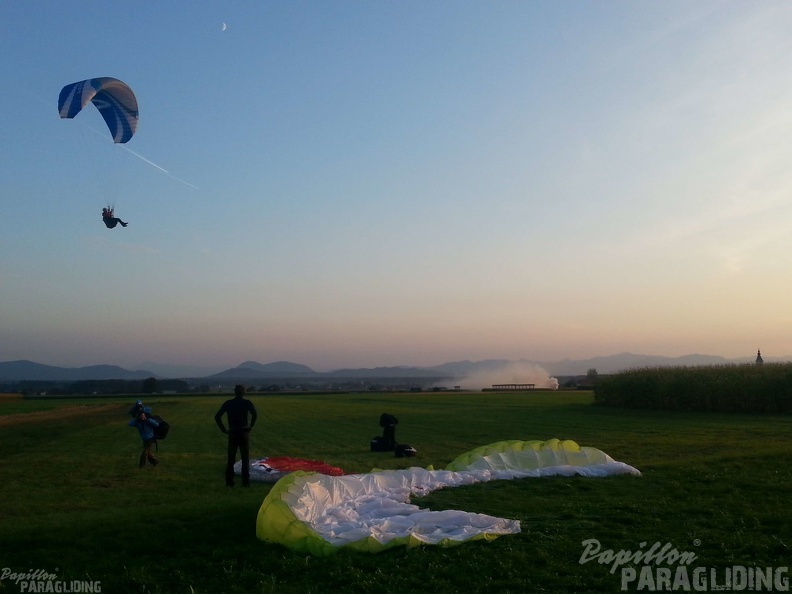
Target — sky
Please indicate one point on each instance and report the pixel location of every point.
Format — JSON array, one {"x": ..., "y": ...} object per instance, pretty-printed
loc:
[{"x": 344, "y": 183}]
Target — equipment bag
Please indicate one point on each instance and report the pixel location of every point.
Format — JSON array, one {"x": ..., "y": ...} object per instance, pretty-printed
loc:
[
  {"x": 404, "y": 450},
  {"x": 161, "y": 431}
]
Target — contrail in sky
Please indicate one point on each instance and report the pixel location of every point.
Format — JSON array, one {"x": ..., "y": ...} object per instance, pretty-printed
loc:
[
  {"x": 102, "y": 134},
  {"x": 146, "y": 160},
  {"x": 142, "y": 158},
  {"x": 129, "y": 150}
]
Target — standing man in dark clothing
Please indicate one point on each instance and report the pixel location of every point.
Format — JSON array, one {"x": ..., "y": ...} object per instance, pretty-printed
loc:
[{"x": 238, "y": 433}]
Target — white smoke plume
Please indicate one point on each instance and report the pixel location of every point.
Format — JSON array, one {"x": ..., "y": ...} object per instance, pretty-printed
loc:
[{"x": 512, "y": 373}]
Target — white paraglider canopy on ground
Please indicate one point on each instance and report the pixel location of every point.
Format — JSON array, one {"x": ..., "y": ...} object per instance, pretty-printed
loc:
[{"x": 318, "y": 513}]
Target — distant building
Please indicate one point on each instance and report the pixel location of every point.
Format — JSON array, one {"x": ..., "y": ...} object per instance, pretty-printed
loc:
[{"x": 759, "y": 360}]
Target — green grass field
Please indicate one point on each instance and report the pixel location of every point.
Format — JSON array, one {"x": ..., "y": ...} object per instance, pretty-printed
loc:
[{"x": 73, "y": 502}]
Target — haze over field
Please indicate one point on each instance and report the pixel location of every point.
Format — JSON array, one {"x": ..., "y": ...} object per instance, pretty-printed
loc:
[{"x": 352, "y": 184}]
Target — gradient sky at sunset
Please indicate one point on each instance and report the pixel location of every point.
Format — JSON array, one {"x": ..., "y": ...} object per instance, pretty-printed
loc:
[{"x": 359, "y": 184}]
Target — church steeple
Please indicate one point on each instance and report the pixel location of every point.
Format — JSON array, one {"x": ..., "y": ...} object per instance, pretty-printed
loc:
[{"x": 759, "y": 360}]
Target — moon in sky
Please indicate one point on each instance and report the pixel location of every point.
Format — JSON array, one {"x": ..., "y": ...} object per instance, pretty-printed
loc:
[{"x": 224, "y": 27}]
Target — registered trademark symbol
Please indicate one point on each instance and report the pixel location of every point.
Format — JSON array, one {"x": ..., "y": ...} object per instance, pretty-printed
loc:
[{"x": 696, "y": 542}]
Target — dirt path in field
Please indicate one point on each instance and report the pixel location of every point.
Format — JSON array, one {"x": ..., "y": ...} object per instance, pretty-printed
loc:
[{"x": 63, "y": 412}]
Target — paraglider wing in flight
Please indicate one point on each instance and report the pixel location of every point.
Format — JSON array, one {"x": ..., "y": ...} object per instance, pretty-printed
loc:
[{"x": 112, "y": 97}]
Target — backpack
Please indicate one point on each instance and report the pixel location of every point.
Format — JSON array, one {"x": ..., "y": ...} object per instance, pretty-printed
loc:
[
  {"x": 161, "y": 431},
  {"x": 404, "y": 451}
]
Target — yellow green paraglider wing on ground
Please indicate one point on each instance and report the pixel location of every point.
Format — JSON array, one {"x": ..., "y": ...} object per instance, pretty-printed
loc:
[
  {"x": 518, "y": 459},
  {"x": 319, "y": 514}
]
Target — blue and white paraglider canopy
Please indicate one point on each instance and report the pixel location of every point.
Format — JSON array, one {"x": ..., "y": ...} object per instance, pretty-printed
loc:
[{"x": 113, "y": 98}]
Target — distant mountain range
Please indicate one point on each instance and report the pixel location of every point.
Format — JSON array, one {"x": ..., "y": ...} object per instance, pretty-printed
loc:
[
  {"x": 28, "y": 370},
  {"x": 12, "y": 371}
]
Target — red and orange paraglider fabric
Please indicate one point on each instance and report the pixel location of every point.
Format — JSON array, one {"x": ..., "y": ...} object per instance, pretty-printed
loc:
[{"x": 272, "y": 469}]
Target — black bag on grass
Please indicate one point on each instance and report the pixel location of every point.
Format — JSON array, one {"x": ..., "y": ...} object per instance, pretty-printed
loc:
[{"x": 404, "y": 450}]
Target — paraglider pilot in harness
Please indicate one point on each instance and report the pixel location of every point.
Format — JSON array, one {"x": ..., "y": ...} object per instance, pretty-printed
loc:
[{"x": 110, "y": 219}]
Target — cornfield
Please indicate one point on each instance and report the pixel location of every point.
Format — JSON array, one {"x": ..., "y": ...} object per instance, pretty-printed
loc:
[{"x": 764, "y": 389}]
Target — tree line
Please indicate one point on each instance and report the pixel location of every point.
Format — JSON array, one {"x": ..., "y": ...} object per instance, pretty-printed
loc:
[{"x": 150, "y": 385}]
